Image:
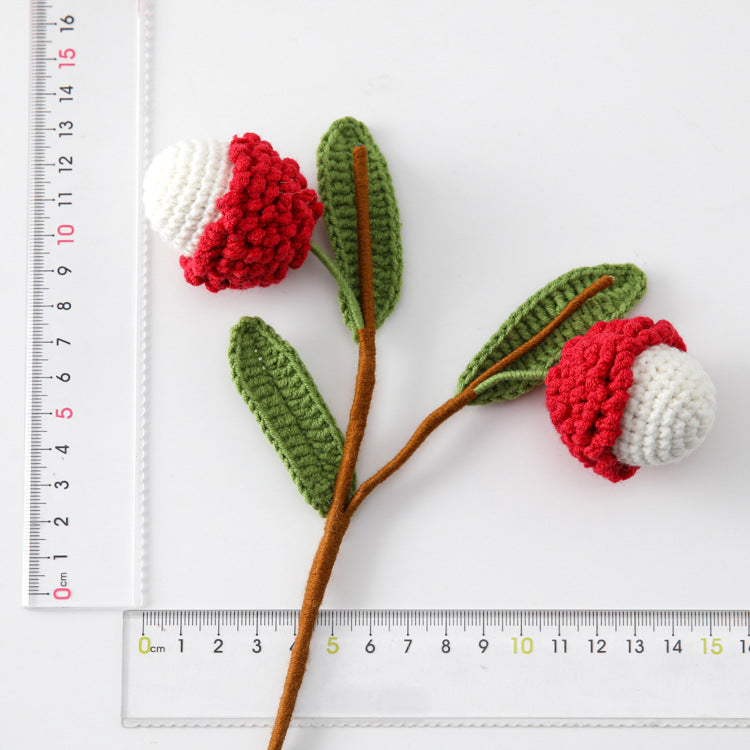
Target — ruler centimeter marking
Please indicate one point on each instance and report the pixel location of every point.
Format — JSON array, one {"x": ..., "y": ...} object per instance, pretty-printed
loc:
[
  {"x": 415, "y": 667},
  {"x": 82, "y": 305}
]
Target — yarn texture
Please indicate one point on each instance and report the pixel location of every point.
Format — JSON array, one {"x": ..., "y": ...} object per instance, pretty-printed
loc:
[
  {"x": 181, "y": 187},
  {"x": 280, "y": 392},
  {"x": 266, "y": 222},
  {"x": 587, "y": 391},
  {"x": 670, "y": 409}
]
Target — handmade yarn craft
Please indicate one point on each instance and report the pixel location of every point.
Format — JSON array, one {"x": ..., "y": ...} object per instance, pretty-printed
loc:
[{"x": 622, "y": 393}]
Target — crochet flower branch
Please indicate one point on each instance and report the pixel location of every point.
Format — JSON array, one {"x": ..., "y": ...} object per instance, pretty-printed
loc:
[{"x": 621, "y": 393}]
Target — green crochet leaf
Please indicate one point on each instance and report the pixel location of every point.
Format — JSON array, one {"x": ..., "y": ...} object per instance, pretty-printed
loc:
[
  {"x": 531, "y": 369},
  {"x": 282, "y": 395},
  {"x": 336, "y": 189}
]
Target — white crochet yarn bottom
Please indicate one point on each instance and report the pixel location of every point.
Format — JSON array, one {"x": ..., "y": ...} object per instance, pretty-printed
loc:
[
  {"x": 181, "y": 187},
  {"x": 670, "y": 409}
]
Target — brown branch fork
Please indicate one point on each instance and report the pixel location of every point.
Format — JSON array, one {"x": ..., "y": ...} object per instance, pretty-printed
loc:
[{"x": 342, "y": 508}]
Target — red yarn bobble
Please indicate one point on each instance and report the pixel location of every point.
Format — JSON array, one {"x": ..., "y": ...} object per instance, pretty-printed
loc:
[
  {"x": 267, "y": 219},
  {"x": 588, "y": 389}
]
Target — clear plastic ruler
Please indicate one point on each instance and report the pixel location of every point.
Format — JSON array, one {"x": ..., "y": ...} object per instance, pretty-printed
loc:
[
  {"x": 441, "y": 668},
  {"x": 85, "y": 304}
]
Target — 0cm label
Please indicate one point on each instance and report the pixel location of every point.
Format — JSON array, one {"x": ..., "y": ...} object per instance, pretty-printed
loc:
[{"x": 145, "y": 647}]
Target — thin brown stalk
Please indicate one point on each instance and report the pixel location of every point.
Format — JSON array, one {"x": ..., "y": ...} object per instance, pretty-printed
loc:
[
  {"x": 364, "y": 241},
  {"x": 337, "y": 520}
]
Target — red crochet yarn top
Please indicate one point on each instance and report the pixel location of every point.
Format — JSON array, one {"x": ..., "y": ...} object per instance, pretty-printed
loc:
[
  {"x": 588, "y": 389},
  {"x": 267, "y": 218}
]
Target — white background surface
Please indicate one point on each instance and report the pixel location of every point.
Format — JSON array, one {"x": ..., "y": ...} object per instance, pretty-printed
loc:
[{"x": 524, "y": 139}]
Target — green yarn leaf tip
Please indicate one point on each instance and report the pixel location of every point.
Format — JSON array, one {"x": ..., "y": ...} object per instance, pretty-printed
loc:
[
  {"x": 336, "y": 189},
  {"x": 540, "y": 309},
  {"x": 275, "y": 384}
]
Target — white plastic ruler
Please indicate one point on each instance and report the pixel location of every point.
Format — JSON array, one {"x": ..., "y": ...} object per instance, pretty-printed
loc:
[
  {"x": 85, "y": 304},
  {"x": 441, "y": 668}
]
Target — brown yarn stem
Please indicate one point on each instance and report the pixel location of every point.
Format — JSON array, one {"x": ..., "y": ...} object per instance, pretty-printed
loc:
[
  {"x": 337, "y": 520},
  {"x": 455, "y": 404},
  {"x": 364, "y": 241}
]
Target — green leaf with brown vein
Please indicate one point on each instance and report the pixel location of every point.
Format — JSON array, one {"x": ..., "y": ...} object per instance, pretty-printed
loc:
[
  {"x": 531, "y": 369},
  {"x": 336, "y": 189}
]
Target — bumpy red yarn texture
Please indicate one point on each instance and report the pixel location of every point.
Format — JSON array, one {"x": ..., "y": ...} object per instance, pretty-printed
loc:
[
  {"x": 588, "y": 389},
  {"x": 267, "y": 219}
]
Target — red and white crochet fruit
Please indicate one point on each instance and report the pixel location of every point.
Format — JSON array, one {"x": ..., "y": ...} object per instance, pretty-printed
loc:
[
  {"x": 241, "y": 215},
  {"x": 626, "y": 394}
]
